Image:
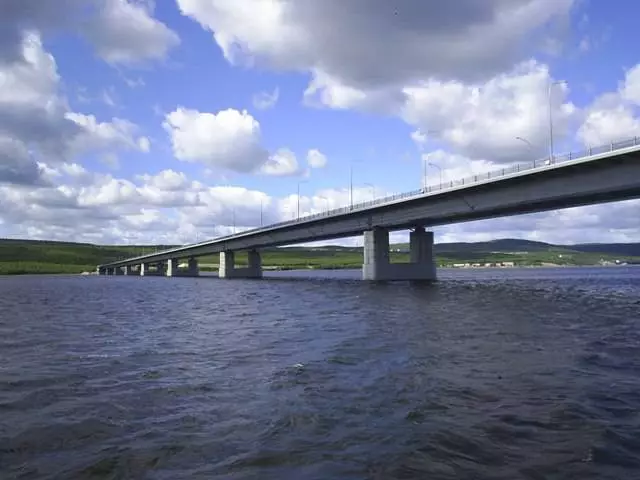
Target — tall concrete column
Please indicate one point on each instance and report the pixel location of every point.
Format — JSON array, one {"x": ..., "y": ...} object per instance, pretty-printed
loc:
[
  {"x": 172, "y": 268},
  {"x": 192, "y": 269},
  {"x": 128, "y": 270},
  {"x": 144, "y": 269},
  {"x": 377, "y": 265},
  {"x": 421, "y": 253},
  {"x": 227, "y": 267},
  {"x": 376, "y": 254}
]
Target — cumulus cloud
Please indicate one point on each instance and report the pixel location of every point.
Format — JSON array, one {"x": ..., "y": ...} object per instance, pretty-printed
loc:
[
  {"x": 438, "y": 67},
  {"x": 468, "y": 39},
  {"x": 483, "y": 120},
  {"x": 281, "y": 163},
  {"x": 36, "y": 121},
  {"x": 613, "y": 115},
  {"x": 121, "y": 31},
  {"x": 125, "y": 32},
  {"x": 230, "y": 139},
  {"x": 316, "y": 159}
]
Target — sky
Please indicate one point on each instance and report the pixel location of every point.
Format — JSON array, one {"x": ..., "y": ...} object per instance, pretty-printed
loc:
[{"x": 174, "y": 121}]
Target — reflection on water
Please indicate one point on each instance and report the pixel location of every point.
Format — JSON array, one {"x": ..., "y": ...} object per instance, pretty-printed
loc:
[{"x": 488, "y": 374}]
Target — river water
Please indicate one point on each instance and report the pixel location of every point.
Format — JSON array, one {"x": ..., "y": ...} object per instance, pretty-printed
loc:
[{"x": 488, "y": 374}]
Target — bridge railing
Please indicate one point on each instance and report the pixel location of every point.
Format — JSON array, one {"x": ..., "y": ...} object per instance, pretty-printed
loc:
[{"x": 470, "y": 180}]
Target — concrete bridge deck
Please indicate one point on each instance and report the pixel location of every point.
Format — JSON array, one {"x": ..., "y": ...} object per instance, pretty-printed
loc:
[{"x": 607, "y": 174}]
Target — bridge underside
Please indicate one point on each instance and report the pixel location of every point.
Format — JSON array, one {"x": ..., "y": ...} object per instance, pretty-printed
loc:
[{"x": 377, "y": 265}]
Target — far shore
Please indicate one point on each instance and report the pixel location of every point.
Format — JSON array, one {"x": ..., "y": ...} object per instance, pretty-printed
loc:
[{"x": 328, "y": 269}]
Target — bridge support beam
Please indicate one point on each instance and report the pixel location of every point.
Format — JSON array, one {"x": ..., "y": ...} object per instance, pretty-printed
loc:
[
  {"x": 227, "y": 267},
  {"x": 171, "y": 269},
  {"x": 128, "y": 270},
  {"x": 377, "y": 265},
  {"x": 192, "y": 269}
]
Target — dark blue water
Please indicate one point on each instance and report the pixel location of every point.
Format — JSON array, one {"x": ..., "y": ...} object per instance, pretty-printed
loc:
[{"x": 488, "y": 374}]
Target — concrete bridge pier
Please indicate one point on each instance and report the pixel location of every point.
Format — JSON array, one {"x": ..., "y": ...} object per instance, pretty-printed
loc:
[
  {"x": 228, "y": 269},
  {"x": 172, "y": 267},
  {"x": 192, "y": 268},
  {"x": 377, "y": 265},
  {"x": 128, "y": 270}
]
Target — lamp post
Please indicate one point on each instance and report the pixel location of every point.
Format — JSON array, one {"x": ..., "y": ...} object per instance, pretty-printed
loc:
[
  {"x": 298, "y": 198},
  {"x": 351, "y": 182},
  {"x": 351, "y": 186},
  {"x": 261, "y": 212},
  {"x": 549, "y": 90},
  {"x": 525, "y": 141},
  {"x": 439, "y": 169}
]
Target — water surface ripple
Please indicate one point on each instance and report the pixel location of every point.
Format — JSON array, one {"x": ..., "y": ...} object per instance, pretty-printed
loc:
[{"x": 494, "y": 374}]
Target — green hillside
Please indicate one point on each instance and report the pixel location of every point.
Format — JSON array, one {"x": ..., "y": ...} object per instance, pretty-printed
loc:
[{"x": 33, "y": 256}]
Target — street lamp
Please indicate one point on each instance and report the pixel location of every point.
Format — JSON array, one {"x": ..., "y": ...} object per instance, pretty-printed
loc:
[
  {"x": 351, "y": 182},
  {"x": 525, "y": 141},
  {"x": 351, "y": 186},
  {"x": 550, "y": 86},
  {"x": 439, "y": 169},
  {"x": 261, "y": 212},
  {"x": 234, "y": 219}
]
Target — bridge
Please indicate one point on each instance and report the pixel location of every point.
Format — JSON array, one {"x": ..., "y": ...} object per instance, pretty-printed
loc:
[{"x": 605, "y": 174}]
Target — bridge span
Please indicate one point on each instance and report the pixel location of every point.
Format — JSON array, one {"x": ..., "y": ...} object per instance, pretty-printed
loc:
[{"x": 604, "y": 174}]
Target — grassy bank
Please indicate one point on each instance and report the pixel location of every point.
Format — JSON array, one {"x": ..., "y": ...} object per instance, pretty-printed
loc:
[{"x": 33, "y": 257}]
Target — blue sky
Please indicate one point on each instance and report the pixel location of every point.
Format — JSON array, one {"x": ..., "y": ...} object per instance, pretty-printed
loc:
[{"x": 138, "y": 121}]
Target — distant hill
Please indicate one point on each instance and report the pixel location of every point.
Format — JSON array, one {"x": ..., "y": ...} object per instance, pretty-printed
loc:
[
  {"x": 518, "y": 245},
  {"x": 629, "y": 249},
  {"x": 37, "y": 256}
]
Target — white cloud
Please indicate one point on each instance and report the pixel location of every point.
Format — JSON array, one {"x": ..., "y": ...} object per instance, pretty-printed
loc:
[
  {"x": 121, "y": 31},
  {"x": 281, "y": 163},
  {"x": 483, "y": 120},
  {"x": 36, "y": 122},
  {"x": 266, "y": 100},
  {"x": 229, "y": 139},
  {"x": 95, "y": 135},
  {"x": 613, "y": 115},
  {"x": 316, "y": 159},
  {"x": 125, "y": 32},
  {"x": 342, "y": 39}
]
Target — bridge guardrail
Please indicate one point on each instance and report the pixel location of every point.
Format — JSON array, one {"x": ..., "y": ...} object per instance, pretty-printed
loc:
[{"x": 470, "y": 180}]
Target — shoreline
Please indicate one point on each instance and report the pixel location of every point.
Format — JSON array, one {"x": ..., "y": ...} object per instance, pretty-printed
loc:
[{"x": 328, "y": 269}]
